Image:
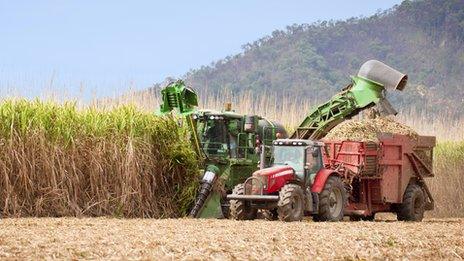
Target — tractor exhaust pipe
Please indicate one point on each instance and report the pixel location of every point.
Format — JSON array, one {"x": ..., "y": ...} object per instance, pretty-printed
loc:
[{"x": 379, "y": 72}]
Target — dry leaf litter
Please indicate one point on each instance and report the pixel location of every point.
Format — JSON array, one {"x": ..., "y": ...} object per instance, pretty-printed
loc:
[{"x": 193, "y": 239}]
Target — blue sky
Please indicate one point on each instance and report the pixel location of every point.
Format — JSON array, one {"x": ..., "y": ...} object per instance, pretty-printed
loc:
[{"x": 108, "y": 46}]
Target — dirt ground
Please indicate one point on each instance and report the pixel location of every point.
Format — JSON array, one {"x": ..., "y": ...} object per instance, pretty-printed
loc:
[{"x": 107, "y": 238}]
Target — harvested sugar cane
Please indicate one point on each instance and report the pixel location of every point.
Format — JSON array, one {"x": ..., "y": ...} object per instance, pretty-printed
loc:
[{"x": 368, "y": 129}]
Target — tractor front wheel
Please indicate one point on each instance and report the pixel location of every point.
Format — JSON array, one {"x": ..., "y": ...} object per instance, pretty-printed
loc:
[
  {"x": 241, "y": 210},
  {"x": 291, "y": 203},
  {"x": 332, "y": 200},
  {"x": 413, "y": 206}
]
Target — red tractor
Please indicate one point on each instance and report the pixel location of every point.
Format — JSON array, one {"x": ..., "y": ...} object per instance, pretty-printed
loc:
[{"x": 331, "y": 180}]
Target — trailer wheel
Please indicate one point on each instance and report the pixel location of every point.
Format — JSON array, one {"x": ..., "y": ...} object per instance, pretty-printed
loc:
[
  {"x": 291, "y": 203},
  {"x": 332, "y": 200},
  {"x": 413, "y": 206},
  {"x": 239, "y": 209}
]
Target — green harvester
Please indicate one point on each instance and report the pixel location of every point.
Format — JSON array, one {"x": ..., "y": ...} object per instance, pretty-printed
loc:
[{"x": 227, "y": 143}]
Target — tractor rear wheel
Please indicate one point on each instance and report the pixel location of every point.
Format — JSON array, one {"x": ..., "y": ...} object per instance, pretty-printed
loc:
[
  {"x": 413, "y": 206},
  {"x": 332, "y": 200},
  {"x": 291, "y": 203},
  {"x": 239, "y": 209}
]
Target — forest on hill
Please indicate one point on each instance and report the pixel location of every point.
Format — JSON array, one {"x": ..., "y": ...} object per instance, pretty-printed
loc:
[{"x": 423, "y": 38}]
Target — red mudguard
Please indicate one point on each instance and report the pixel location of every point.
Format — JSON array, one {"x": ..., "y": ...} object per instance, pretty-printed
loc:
[{"x": 321, "y": 177}]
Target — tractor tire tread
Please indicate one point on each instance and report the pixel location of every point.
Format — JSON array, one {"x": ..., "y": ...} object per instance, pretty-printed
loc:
[
  {"x": 284, "y": 206},
  {"x": 324, "y": 200},
  {"x": 406, "y": 210},
  {"x": 238, "y": 209}
]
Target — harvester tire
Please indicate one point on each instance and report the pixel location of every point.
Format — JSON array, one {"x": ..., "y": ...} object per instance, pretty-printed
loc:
[
  {"x": 291, "y": 203},
  {"x": 241, "y": 210},
  {"x": 413, "y": 206},
  {"x": 332, "y": 200}
]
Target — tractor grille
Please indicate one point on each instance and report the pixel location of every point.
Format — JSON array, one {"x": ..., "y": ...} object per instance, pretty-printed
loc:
[{"x": 258, "y": 184}]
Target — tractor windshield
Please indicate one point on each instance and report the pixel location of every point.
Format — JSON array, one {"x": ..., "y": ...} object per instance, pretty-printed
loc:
[{"x": 290, "y": 155}]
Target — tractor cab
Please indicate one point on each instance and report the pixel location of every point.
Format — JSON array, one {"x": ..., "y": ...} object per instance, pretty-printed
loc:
[{"x": 303, "y": 156}]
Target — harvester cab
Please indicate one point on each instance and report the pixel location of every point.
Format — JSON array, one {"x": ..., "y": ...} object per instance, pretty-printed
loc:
[{"x": 228, "y": 145}]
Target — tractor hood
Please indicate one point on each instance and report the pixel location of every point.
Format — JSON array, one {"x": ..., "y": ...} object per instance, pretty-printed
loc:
[
  {"x": 280, "y": 170},
  {"x": 273, "y": 178}
]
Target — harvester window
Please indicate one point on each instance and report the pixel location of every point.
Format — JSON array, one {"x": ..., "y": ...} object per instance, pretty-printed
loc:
[{"x": 214, "y": 137}]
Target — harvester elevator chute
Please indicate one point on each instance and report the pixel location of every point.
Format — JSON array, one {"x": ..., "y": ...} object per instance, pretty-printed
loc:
[{"x": 367, "y": 89}]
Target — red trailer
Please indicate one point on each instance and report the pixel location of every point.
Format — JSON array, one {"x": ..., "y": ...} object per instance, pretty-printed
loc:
[
  {"x": 383, "y": 175},
  {"x": 332, "y": 179}
]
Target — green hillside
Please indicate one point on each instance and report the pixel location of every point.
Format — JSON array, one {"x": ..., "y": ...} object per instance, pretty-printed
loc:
[{"x": 423, "y": 38}]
